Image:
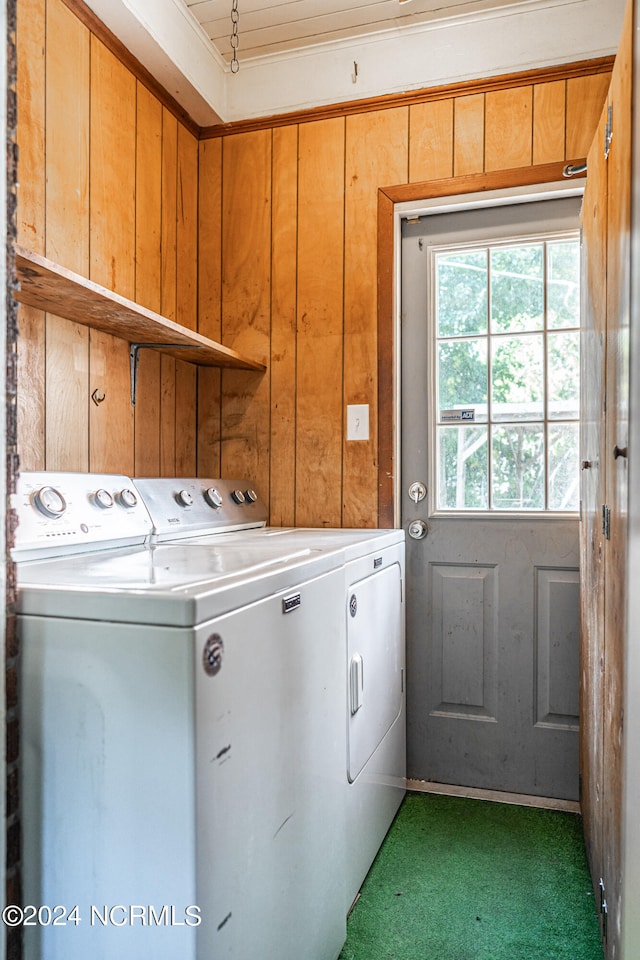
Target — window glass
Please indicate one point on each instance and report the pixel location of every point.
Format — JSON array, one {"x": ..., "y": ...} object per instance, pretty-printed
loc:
[
  {"x": 517, "y": 288},
  {"x": 461, "y": 291},
  {"x": 463, "y": 468},
  {"x": 563, "y": 362},
  {"x": 462, "y": 375},
  {"x": 507, "y": 367},
  {"x": 517, "y": 455},
  {"x": 563, "y": 284},
  {"x": 517, "y": 378}
]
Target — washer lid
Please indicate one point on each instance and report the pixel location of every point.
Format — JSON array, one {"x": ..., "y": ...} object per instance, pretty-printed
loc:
[{"x": 170, "y": 584}]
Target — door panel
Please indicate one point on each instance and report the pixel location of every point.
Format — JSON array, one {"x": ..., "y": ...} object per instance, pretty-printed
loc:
[{"x": 492, "y": 602}]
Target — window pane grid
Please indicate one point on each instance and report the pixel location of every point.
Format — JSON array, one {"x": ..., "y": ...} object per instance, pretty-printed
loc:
[{"x": 522, "y": 402}]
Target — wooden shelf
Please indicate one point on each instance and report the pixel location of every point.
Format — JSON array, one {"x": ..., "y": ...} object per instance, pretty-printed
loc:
[{"x": 50, "y": 287}]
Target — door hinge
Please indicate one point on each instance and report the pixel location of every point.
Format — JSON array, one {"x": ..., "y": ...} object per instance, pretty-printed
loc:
[
  {"x": 608, "y": 132},
  {"x": 606, "y": 521}
]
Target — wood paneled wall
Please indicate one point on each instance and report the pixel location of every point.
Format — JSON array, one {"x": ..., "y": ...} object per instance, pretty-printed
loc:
[
  {"x": 299, "y": 266},
  {"x": 264, "y": 238},
  {"x": 108, "y": 188}
]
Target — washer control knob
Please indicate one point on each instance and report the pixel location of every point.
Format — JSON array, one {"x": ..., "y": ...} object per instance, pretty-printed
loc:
[
  {"x": 103, "y": 498},
  {"x": 238, "y": 496},
  {"x": 127, "y": 498},
  {"x": 251, "y": 495},
  {"x": 184, "y": 498},
  {"x": 213, "y": 498},
  {"x": 417, "y": 529},
  {"x": 50, "y": 502}
]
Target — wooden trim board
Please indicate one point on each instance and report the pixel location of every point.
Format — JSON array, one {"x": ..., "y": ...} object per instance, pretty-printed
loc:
[
  {"x": 566, "y": 71},
  {"x": 495, "y": 796}
]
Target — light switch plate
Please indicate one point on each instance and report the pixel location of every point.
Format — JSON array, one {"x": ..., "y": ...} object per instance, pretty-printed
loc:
[{"x": 357, "y": 421}]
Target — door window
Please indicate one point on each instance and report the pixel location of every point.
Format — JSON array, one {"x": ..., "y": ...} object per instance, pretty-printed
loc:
[{"x": 506, "y": 357}]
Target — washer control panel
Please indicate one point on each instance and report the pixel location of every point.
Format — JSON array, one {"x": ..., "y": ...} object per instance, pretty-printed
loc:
[
  {"x": 71, "y": 512},
  {"x": 196, "y": 506}
]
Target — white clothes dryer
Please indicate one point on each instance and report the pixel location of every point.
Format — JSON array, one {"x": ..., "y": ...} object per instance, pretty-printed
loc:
[{"x": 372, "y": 561}]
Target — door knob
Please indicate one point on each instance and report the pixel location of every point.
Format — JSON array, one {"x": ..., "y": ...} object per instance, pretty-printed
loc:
[
  {"x": 619, "y": 452},
  {"x": 417, "y": 529}
]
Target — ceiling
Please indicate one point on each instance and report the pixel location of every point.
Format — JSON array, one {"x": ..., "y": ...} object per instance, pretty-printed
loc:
[{"x": 267, "y": 27}]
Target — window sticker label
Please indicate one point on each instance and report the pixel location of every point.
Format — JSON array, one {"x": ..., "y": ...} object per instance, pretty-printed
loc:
[{"x": 457, "y": 416}]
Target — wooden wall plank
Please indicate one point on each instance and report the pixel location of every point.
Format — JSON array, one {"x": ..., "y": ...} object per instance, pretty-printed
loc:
[
  {"x": 112, "y": 187},
  {"x": 431, "y": 140},
  {"x": 67, "y": 233},
  {"x": 209, "y": 389},
  {"x": 585, "y": 97},
  {"x": 111, "y": 435},
  {"x": 67, "y": 383},
  {"x": 210, "y": 238},
  {"x": 187, "y": 230},
  {"x": 148, "y": 276},
  {"x": 186, "y": 407},
  {"x": 365, "y": 170},
  {"x": 169, "y": 216},
  {"x": 148, "y": 200},
  {"x": 167, "y": 416},
  {"x": 246, "y": 303},
  {"x": 209, "y": 302},
  {"x": 508, "y": 129},
  {"x": 30, "y": 41},
  {"x": 31, "y": 388},
  {"x": 146, "y": 460},
  {"x": 468, "y": 143},
  {"x": 186, "y": 297},
  {"x": 549, "y": 105},
  {"x": 67, "y": 139},
  {"x": 112, "y": 260},
  {"x": 319, "y": 401},
  {"x": 284, "y": 216},
  {"x": 169, "y": 289}
]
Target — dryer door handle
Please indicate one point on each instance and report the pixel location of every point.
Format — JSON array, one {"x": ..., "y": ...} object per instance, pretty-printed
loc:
[{"x": 356, "y": 682}]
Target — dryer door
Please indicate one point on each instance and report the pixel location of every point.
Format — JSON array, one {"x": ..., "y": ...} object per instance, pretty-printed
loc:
[{"x": 374, "y": 643}]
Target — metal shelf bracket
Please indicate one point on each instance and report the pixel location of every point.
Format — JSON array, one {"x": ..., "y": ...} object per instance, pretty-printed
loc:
[{"x": 134, "y": 351}]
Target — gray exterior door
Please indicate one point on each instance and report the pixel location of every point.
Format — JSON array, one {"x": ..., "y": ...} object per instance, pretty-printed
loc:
[{"x": 492, "y": 600}]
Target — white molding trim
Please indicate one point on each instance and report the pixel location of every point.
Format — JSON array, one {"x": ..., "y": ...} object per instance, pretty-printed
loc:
[{"x": 527, "y": 34}]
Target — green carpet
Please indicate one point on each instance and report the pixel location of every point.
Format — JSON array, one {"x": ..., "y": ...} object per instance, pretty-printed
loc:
[{"x": 460, "y": 879}]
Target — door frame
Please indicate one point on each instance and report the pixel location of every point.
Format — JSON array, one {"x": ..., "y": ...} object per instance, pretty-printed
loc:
[{"x": 393, "y": 203}]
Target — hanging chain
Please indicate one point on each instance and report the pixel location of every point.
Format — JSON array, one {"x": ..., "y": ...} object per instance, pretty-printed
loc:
[{"x": 234, "y": 39}]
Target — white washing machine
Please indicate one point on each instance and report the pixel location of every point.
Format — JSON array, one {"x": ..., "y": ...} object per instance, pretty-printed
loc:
[
  {"x": 182, "y": 710},
  {"x": 372, "y": 561}
]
